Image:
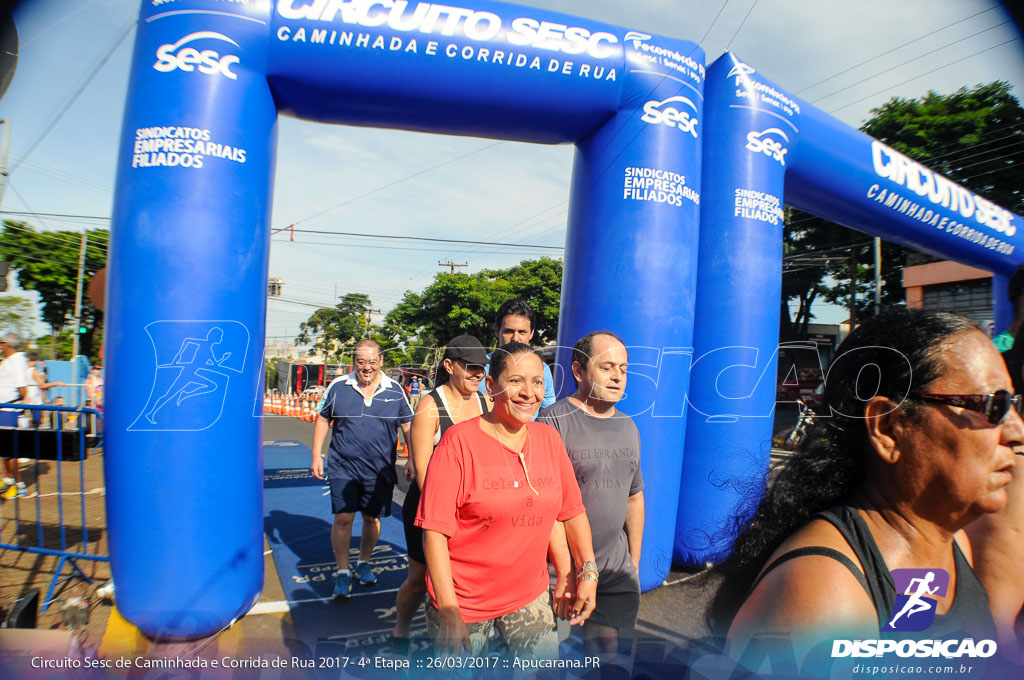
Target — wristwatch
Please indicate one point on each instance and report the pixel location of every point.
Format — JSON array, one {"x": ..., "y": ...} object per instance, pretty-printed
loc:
[{"x": 587, "y": 572}]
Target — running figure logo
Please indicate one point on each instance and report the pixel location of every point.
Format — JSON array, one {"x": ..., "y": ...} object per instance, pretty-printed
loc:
[
  {"x": 914, "y": 609},
  {"x": 194, "y": 363}
]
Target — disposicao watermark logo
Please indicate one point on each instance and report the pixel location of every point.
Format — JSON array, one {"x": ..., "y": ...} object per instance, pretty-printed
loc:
[
  {"x": 915, "y": 608},
  {"x": 918, "y": 591},
  {"x": 194, "y": 364}
]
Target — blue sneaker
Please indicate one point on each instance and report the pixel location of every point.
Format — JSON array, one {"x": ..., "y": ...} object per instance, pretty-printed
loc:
[
  {"x": 342, "y": 585},
  {"x": 365, "y": 574}
]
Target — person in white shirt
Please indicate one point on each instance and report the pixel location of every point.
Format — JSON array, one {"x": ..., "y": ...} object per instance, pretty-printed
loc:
[
  {"x": 38, "y": 385},
  {"x": 14, "y": 382}
]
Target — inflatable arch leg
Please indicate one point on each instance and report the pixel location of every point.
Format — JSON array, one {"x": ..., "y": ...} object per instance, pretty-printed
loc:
[
  {"x": 186, "y": 316},
  {"x": 629, "y": 267},
  {"x": 760, "y": 138},
  {"x": 736, "y": 328}
]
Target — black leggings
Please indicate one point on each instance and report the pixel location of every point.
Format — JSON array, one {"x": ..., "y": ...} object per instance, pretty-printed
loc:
[{"x": 413, "y": 534}]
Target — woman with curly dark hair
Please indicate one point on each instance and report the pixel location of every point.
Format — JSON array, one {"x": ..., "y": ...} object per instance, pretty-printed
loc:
[{"x": 919, "y": 441}]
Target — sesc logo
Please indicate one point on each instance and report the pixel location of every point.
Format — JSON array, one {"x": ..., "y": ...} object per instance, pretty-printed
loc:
[
  {"x": 662, "y": 112},
  {"x": 174, "y": 56},
  {"x": 740, "y": 70},
  {"x": 762, "y": 142}
]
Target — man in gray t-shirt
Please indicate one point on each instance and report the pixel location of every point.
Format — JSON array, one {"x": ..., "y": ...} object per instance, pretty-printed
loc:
[{"x": 604, "y": 447}]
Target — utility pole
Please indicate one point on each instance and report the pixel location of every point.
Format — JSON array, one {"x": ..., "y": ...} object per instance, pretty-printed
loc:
[
  {"x": 452, "y": 265},
  {"x": 853, "y": 288},
  {"x": 878, "y": 276},
  {"x": 3, "y": 157},
  {"x": 366, "y": 321},
  {"x": 78, "y": 295}
]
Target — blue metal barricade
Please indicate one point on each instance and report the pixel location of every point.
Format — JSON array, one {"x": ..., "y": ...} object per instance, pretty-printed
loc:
[{"x": 64, "y": 435}]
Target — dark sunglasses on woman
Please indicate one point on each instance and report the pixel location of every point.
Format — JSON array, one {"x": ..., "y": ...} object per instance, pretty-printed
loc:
[{"x": 995, "y": 406}]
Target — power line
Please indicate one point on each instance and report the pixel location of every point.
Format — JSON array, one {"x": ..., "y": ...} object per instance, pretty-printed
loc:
[
  {"x": 399, "y": 181},
  {"x": 561, "y": 225},
  {"x": 73, "y": 99},
  {"x": 43, "y": 214},
  {"x": 304, "y": 304},
  {"x": 882, "y": 54},
  {"x": 58, "y": 236},
  {"x": 745, "y": 17},
  {"x": 430, "y": 269},
  {"x": 921, "y": 75},
  {"x": 64, "y": 176},
  {"x": 10, "y": 185},
  {"x": 713, "y": 22},
  {"x": 893, "y": 68},
  {"x": 951, "y": 156},
  {"x": 345, "y": 234},
  {"x": 424, "y": 238},
  {"x": 396, "y": 247}
]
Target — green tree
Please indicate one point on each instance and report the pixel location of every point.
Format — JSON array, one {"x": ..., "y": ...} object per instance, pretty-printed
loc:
[
  {"x": 336, "y": 329},
  {"x": 47, "y": 262},
  {"x": 56, "y": 345},
  {"x": 270, "y": 372},
  {"x": 466, "y": 303},
  {"x": 16, "y": 314},
  {"x": 973, "y": 136}
]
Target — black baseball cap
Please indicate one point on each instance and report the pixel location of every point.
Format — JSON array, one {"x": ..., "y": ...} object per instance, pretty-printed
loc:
[
  {"x": 467, "y": 348},
  {"x": 1016, "y": 285}
]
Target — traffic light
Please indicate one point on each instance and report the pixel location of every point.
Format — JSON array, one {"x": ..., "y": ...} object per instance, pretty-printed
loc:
[
  {"x": 5, "y": 267},
  {"x": 82, "y": 330}
]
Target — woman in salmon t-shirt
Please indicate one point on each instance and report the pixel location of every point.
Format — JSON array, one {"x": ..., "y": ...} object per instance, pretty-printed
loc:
[{"x": 494, "y": 488}]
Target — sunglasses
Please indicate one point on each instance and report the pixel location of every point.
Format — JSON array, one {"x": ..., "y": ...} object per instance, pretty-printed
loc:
[{"x": 995, "y": 406}]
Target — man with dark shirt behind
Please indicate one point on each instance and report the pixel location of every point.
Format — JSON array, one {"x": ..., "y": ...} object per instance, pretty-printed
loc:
[{"x": 604, "y": 447}]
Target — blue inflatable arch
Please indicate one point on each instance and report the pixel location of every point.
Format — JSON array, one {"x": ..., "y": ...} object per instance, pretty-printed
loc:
[
  {"x": 189, "y": 247},
  {"x": 765, "y": 147}
]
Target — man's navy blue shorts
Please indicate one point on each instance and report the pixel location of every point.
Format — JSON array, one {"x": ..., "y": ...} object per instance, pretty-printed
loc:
[{"x": 372, "y": 498}]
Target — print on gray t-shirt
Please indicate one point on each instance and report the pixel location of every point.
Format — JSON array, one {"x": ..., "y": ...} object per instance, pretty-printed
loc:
[{"x": 605, "y": 453}]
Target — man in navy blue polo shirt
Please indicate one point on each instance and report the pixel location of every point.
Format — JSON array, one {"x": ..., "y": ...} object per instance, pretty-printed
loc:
[{"x": 364, "y": 410}]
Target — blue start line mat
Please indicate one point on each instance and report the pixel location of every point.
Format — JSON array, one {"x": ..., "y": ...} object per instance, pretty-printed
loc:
[{"x": 297, "y": 521}]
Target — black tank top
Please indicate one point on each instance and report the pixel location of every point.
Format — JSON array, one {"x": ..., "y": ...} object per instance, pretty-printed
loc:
[
  {"x": 444, "y": 419},
  {"x": 970, "y": 613}
]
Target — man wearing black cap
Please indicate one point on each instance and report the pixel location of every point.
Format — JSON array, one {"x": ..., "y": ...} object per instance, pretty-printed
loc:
[{"x": 1013, "y": 353}]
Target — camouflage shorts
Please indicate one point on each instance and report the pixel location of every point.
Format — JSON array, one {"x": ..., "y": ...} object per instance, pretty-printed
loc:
[{"x": 527, "y": 633}]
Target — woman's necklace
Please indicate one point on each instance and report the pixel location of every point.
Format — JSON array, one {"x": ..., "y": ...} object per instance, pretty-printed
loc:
[{"x": 522, "y": 460}]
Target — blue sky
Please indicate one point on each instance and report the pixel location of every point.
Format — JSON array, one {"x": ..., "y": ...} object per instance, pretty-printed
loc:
[{"x": 845, "y": 57}]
